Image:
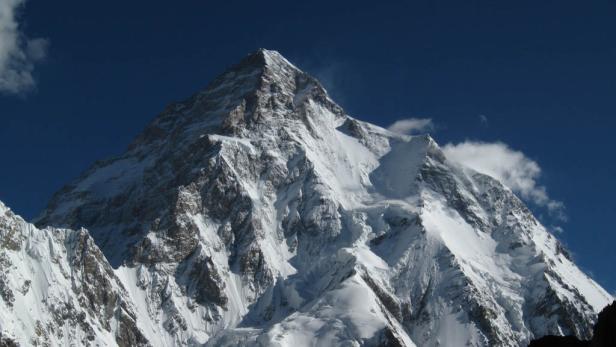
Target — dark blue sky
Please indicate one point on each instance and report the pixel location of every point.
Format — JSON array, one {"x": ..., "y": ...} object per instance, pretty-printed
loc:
[{"x": 542, "y": 72}]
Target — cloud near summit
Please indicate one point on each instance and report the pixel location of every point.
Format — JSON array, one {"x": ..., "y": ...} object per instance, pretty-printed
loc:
[
  {"x": 411, "y": 125},
  {"x": 18, "y": 53},
  {"x": 511, "y": 167}
]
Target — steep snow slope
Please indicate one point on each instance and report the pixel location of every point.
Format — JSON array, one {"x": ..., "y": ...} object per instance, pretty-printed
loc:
[
  {"x": 57, "y": 289},
  {"x": 258, "y": 212}
]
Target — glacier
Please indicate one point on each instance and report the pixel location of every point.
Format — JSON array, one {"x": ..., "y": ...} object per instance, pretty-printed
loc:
[{"x": 258, "y": 213}]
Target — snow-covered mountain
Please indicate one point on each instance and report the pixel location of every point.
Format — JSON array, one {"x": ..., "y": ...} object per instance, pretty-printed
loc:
[
  {"x": 257, "y": 212},
  {"x": 57, "y": 289}
]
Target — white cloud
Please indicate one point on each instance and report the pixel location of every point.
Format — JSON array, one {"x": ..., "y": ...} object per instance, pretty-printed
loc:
[
  {"x": 512, "y": 168},
  {"x": 18, "y": 54},
  {"x": 411, "y": 125}
]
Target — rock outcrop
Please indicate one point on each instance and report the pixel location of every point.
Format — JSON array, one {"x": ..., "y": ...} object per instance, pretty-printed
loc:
[{"x": 604, "y": 333}]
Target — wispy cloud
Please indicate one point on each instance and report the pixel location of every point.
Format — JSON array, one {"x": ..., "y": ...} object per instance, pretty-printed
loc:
[
  {"x": 331, "y": 70},
  {"x": 411, "y": 125},
  {"x": 513, "y": 168},
  {"x": 18, "y": 54},
  {"x": 483, "y": 119}
]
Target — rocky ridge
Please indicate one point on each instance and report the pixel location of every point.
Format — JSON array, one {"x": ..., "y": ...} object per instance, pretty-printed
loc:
[{"x": 58, "y": 289}]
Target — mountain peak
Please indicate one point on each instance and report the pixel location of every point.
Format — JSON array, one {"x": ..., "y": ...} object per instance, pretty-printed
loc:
[
  {"x": 262, "y": 62},
  {"x": 258, "y": 203},
  {"x": 266, "y": 58},
  {"x": 257, "y": 92}
]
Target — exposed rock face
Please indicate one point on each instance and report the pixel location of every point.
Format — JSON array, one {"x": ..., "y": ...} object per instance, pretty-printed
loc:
[
  {"x": 258, "y": 213},
  {"x": 7, "y": 342},
  {"x": 58, "y": 289},
  {"x": 604, "y": 333}
]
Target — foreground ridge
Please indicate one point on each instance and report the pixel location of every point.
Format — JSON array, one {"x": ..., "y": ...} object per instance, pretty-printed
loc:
[
  {"x": 257, "y": 212},
  {"x": 56, "y": 288},
  {"x": 604, "y": 334}
]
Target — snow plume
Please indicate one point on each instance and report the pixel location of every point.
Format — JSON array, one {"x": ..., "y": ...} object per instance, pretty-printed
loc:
[
  {"x": 511, "y": 167},
  {"x": 411, "y": 125},
  {"x": 18, "y": 54}
]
